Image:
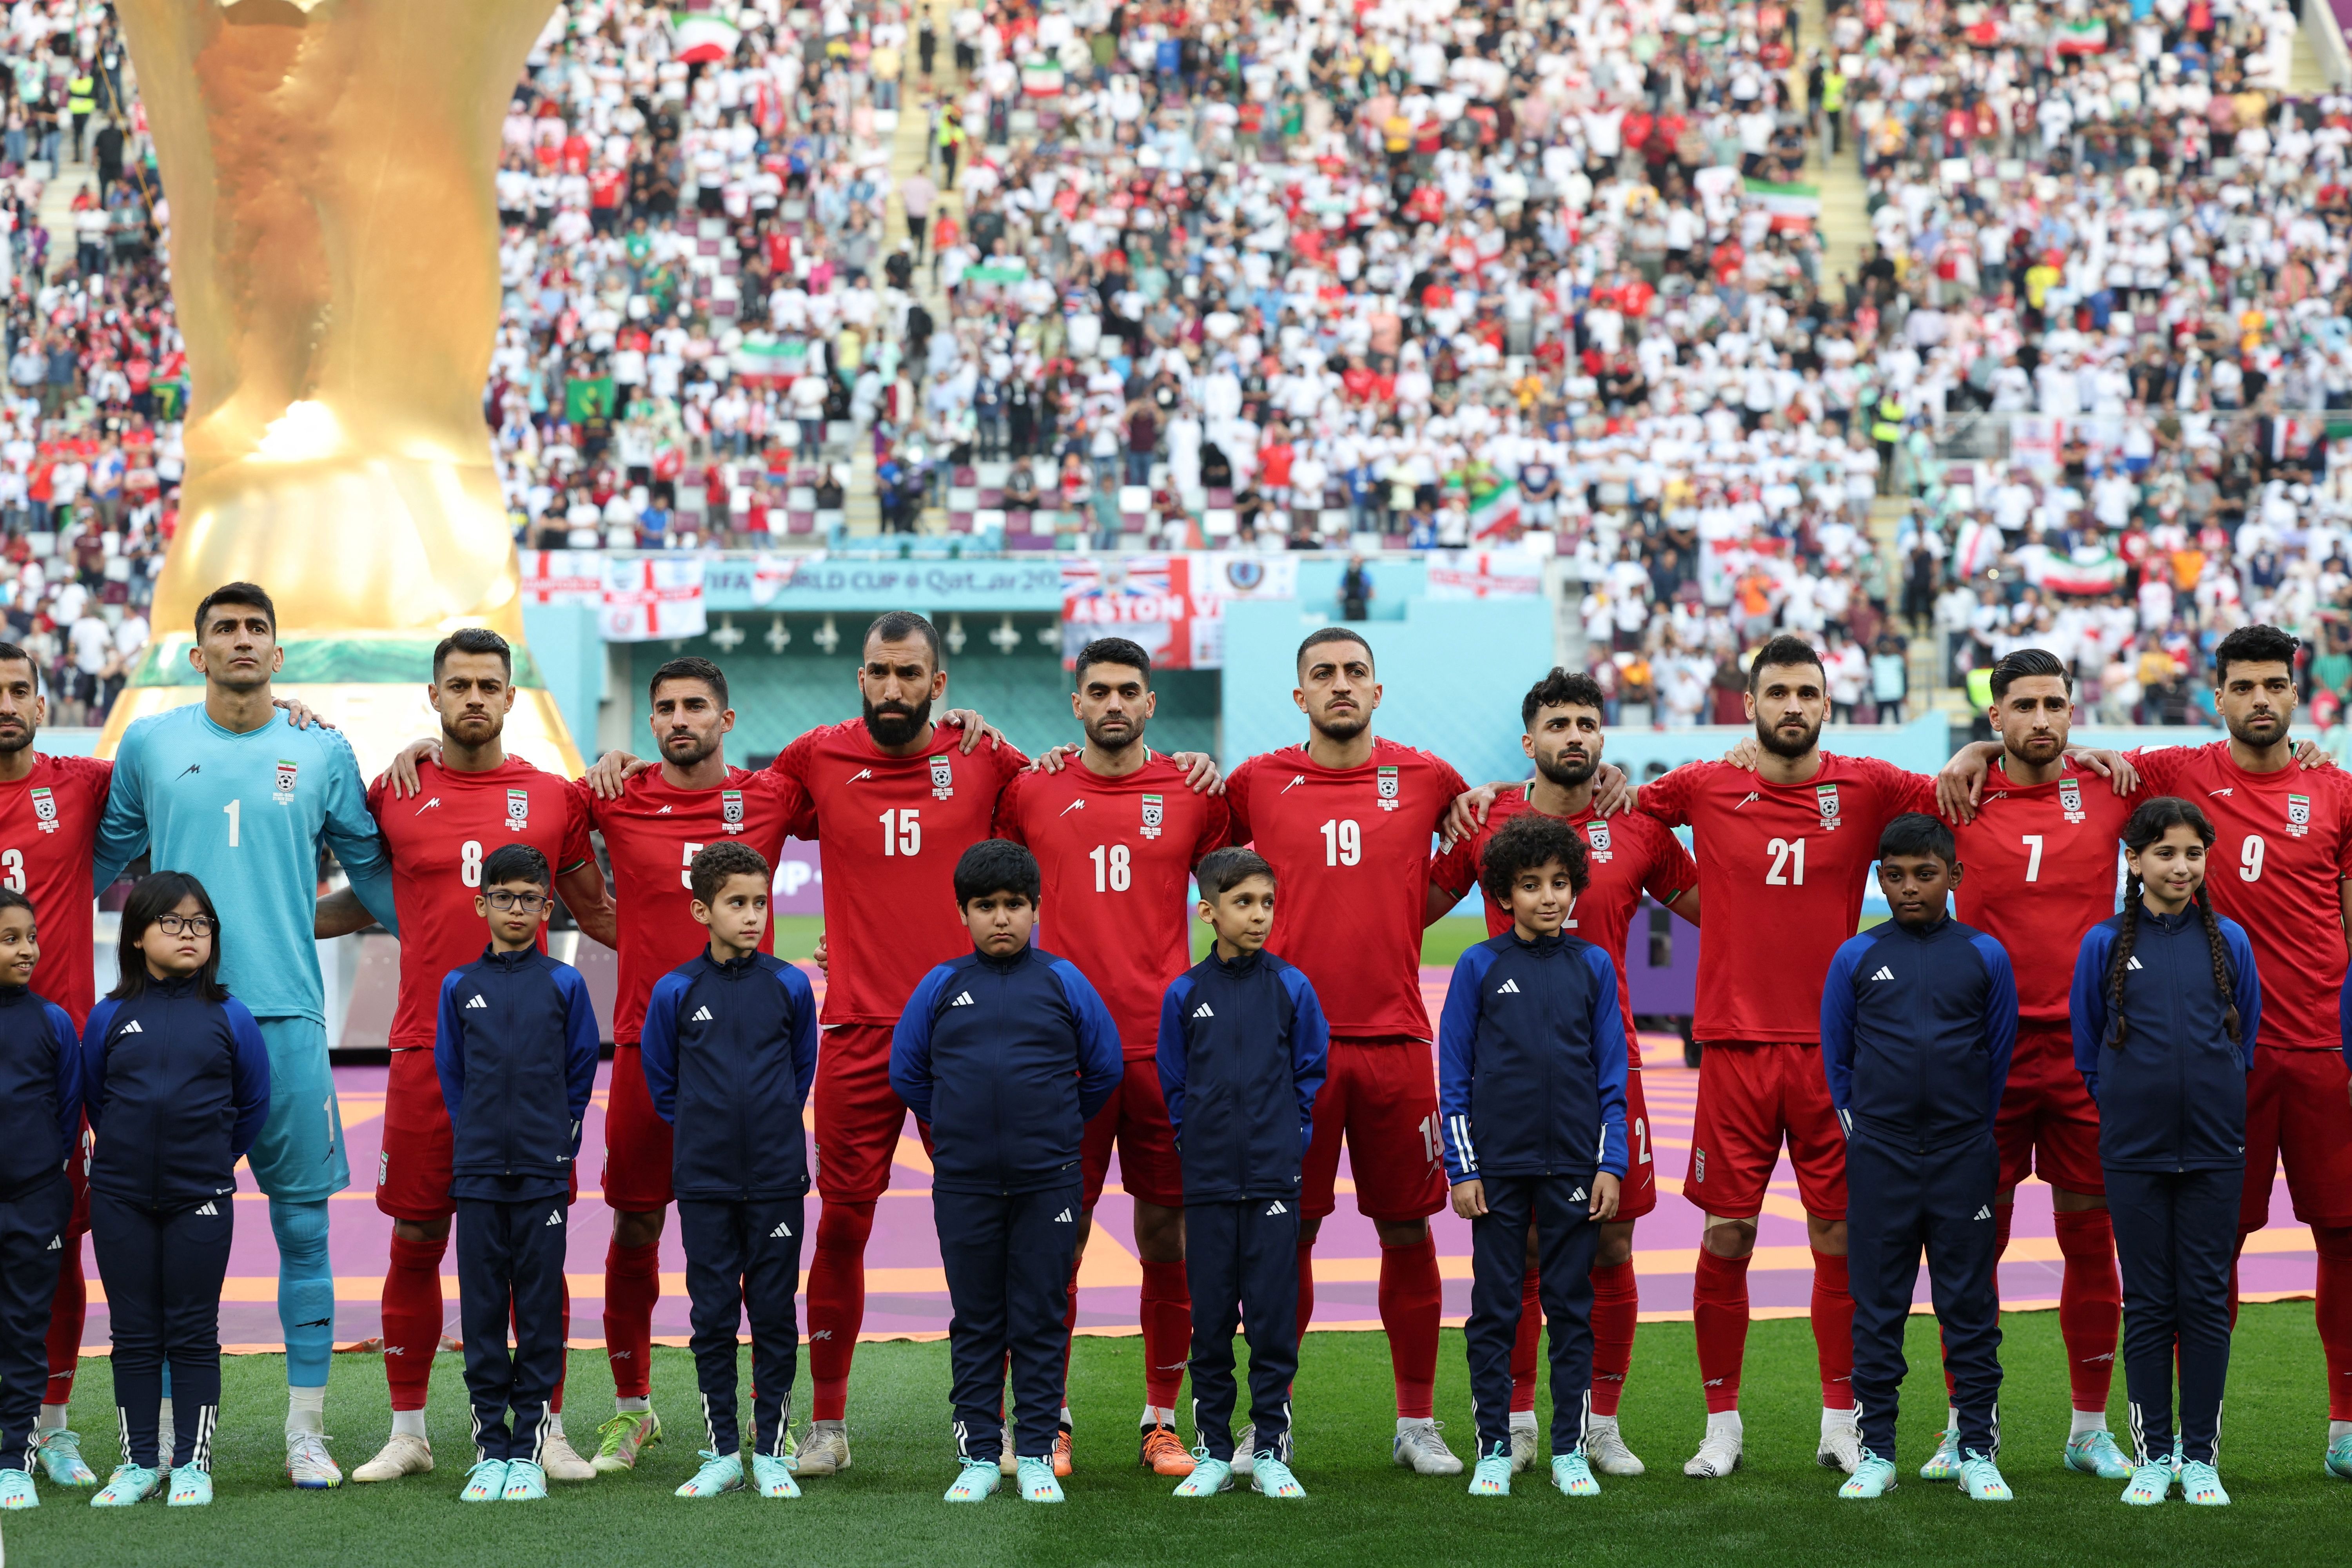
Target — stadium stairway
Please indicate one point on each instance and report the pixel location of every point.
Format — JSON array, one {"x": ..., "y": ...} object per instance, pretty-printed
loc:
[{"x": 56, "y": 211}]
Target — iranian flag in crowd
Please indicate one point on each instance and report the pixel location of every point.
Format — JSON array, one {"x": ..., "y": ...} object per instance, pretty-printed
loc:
[
  {"x": 1041, "y": 77},
  {"x": 761, "y": 360},
  {"x": 648, "y": 598},
  {"x": 703, "y": 31},
  {"x": 1791, "y": 205},
  {"x": 1495, "y": 513},
  {"x": 2086, "y": 37},
  {"x": 2091, "y": 569}
]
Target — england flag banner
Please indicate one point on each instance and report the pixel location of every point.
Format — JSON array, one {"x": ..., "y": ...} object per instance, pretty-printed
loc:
[
  {"x": 650, "y": 597},
  {"x": 562, "y": 577}
]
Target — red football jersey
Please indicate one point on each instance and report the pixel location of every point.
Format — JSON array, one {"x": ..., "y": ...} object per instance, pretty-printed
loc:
[
  {"x": 1117, "y": 855},
  {"x": 2282, "y": 849},
  {"x": 48, "y": 829},
  {"x": 652, "y": 834},
  {"x": 892, "y": 828},
  {"x": 1782, "y": 870},
  {"x": 2038, "y": 870},
  {"x": 437, "y": 838},
  {"x": 1628, "y": 855},
  {"x": 1349, "y": 848}
]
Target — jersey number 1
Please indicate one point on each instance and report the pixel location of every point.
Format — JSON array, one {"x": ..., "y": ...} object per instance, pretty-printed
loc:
[{"x": 232, "y": 809}]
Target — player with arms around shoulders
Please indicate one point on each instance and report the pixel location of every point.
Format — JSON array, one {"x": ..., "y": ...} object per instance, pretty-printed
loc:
[
  {"x": 1627, "y": 857},
  {"x": 1788, "y": 844}
]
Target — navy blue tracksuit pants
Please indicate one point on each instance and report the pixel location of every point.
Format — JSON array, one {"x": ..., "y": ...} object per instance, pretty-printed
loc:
[
  {"x": 162, "y": 1272},
  {"x": 2176, "y": 1234},
  {"x": 1899, "y": 1203},
  {"x": 511, "y": 1269},
  {"x": 1007, "y": 1256},
  {"x": 32, "y": 1239},
  {"x": 1240, "y": 1267},
  {"x": 744, "y": 1259},
  {"x": 1567, "y": 1237}
]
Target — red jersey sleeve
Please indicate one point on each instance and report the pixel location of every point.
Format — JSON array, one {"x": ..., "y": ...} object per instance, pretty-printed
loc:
[
  {"x": 1216, "y": 826},
  {"x": 1455, "y": 869},
  {"x": 577, "y": 851},
  {"x": 791, "y": 767},
  {"x": 1898, "y": 789},
  {"x": 1671, "y": 872},
  {"x": 1667, "y": 797},
  {"x": 2159, "y": 767},
  {"x": 1008, "y": 810},
  {"x": 1237, "y": 788}
]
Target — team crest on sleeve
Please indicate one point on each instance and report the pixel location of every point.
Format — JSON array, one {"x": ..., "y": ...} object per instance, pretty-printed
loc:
[
  {"x": 518, "y": 810},
  {"x": 1828, "y": 797},
  {"x": 286, "y": 771},
  {"x": 1597, "y": 833},
  {"x": 942, "y": 778},
  {"x": 731, "y": 809},
  {"x": 2298, "y": 815},
  {"x": 2070, "y": 799},
  {"x": 1388, "y": 789},
  {"x": 45, "y": 810},
  {"x": 1154, "y": 814}
]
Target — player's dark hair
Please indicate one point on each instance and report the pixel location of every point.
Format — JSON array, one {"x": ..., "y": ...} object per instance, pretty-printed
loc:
[
  {"x": 690, "y": 668},
  {"x": 718, "y": 864},
  {"x": 249, "y": 595},
  {"x": 1223, "y": 870},
  {"x": 1562, "y": 688},
  {"x": 472, "y": 639},
  {"x": 11, "y": 653},
  {"x": 1331, "y": 634},
  {"x": 515, "y": 863},
  {"x": 2026, "y": 662},
  {"x": 996, "y": 866},
  {"x": 155, "y": 896},
  {"x": 1112, "y": 650},
  {"x": 2152, "y": 820},
  {"x": 898, "y": 626},
  {"x": 2254, "y": 645},
  {"x": 1916, "y": 833},
  {"x": 1527, "y": 842},
  {"x": 1784, "y": 649},
  {"x": 10, "y": 898}
]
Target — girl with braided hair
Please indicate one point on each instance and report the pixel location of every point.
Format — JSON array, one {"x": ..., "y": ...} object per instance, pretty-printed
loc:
[{"x": 2165, "y": 1007}]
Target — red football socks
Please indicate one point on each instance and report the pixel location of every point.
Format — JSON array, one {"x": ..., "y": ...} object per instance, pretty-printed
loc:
[
  {"x": 632, "y": 1286},
  {"x": 1719, "y": 1319},
  {"x": 1616, "y": 1309},
  {"x": 836, "y": 1304},
  {"x": 1167, "y": 1313},
  {"x": 1412, "y": 1301},
  {"x": 66, "y": 1314},
  {"x": 1305, "y": 1286},
  {"x": 1834, "y": 1329},
  {"x": 1530, "y": 1341},
  {"x": 2090, "y": 1303},
  {"x": 2334, "y": 1306},
  {"x": 412, "y": 1319}
]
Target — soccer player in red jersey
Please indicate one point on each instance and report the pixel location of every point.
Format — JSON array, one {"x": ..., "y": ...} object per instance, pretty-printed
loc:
[
  {"x": 464, "y": 803},
  {"x": 1629, "y": 856},
  {"x": 1790, "y": 845},
  {"x": 1116, "y": 834},
  {"x": 1347, "y": 821}
]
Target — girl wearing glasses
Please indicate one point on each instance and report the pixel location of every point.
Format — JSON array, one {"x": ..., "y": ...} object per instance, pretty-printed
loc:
[{"x": 176, "y": 1081}]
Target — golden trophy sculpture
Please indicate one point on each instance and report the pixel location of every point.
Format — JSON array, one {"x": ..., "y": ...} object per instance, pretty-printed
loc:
[{"x": 334, "y": 245}]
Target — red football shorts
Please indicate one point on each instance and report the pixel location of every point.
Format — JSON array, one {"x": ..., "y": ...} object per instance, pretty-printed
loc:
[
  {"x": 637, "y": 1141},
  {"x": 858, "y": 1115},
  {"x": 1137, "y": 1117},
  {"x": 412, "y": 1174},
  {"x": 2048, "y": 1123},
  {"x": 1639, "y": 1195},
  {"x": 1383, "y": 1097},
  {"x": 1750, "y": 1096},
  {"x": 2296, "y": 1112}
]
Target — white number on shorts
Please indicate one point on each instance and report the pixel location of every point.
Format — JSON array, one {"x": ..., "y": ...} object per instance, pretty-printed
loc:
[
  {"x": 231, "y": 808},
  {"x": 1428, "y": 1125},
  {"x": 1113, "y": 872},
  {"x": 2032, "y": 856},
  {"x": 902, "y": 831},
  {"x": 2249, "y": 858},
  {"x": 12, "y": 861},
  {"x": 469, "y": 862},
  {"x": 1787, "y": 863},
  {"x": 1641, "y": 1139},
  {"x": 686, "y": 877},
  {"x": 1343, "y": 842}
]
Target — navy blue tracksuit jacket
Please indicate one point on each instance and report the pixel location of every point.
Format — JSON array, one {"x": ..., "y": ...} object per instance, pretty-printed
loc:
[
  {"x": 41, "y": 1121},
  {"x": 1917, "y": 1024},
  {"x": 1243, "y": 1049},
  {"x": 516, "y": 1052},
  {"x": 1005, "y": 1060},
  {"x": 1531, "y": 1068},
  {"x": 730, "y": 1053},
  {"x": 2171, "y": 1091}
]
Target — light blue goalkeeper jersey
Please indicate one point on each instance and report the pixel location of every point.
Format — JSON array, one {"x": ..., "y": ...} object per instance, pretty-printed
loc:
[{"x": 246, "y": 815}]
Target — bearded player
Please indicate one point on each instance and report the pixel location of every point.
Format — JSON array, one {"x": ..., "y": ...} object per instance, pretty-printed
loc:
[
  {"x": 1116, "y": 834},
  {"x": 440, "y": 817},
  {"x": 1630, "y": 855},
  {"x": 1789, "y": 845}
]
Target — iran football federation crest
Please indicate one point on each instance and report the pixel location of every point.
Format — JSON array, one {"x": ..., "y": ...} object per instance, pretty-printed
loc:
[
  {"x": 1154, "y": 814},
  {"x": 1597, "y": 833},
  {"x": 2298, "y": 815},
  {"x": 1828, "y": 797},
  {"x": 942, "y": 779},
  {"x": 518, "y": 810},
  {"x": 45, "y": 810},
  {"x": 286, "y": 771},
  {"x": 2070, "y": 799},
  {"x": 731, "y": 810},
  {"x": 1387, "y": 790}
]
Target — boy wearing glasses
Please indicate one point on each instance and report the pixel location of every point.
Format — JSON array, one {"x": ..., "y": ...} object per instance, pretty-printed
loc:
[{"x": 516, "y": 1052}]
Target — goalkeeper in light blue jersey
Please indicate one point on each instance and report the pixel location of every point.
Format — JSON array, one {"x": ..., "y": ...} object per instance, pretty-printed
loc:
[{"x": 229, "y": 793}]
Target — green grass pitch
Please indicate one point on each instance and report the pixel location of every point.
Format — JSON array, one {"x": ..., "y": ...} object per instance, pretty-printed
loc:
[{"x": 1781, "y": 1508}]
